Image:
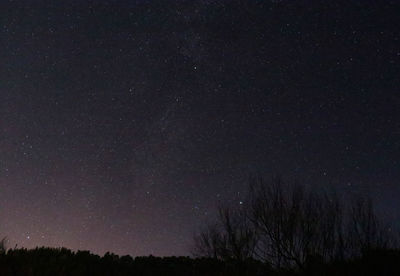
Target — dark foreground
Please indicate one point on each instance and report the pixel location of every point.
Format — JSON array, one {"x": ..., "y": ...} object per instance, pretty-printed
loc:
[{"x": 49, "y": 261}]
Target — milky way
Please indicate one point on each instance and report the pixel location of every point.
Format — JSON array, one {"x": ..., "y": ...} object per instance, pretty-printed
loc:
[{"x": 123, "y": 124}]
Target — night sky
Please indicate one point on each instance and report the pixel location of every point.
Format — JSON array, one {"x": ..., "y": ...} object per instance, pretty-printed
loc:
[{"x": 123, "y": 124}]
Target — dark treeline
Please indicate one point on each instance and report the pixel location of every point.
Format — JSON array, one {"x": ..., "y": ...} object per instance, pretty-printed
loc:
[
  {"x": 278, "y": 230},
  {"x": 63, "y": 262},
  {"x": 294, "y": 229}
]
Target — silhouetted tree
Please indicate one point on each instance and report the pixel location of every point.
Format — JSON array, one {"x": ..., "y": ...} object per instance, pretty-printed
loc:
[
  {"x": 239, "y": 237},
  {"x": 233, "y": 238},
  {"x": 292, "y": 227},
  {"x": 208, "y": 242},
  {"x": 366, "y": 232},
  {"x": 3, "y": 247},
  {"x": 289, "y": 224}
]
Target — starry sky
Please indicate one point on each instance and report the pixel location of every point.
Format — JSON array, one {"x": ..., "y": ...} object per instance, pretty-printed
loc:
[{"x": 123, "y": 124}]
